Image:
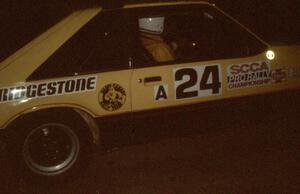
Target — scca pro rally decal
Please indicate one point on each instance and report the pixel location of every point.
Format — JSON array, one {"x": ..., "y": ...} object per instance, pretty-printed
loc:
[
  {"x": 51, "y": 88},
  {"x": 198, "y": 81},
  {"x": 249, "y": 75},
  {"x": 112, "y": 97}
]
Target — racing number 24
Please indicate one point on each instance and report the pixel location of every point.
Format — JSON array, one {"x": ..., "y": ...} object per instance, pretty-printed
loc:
[{"x": 206, "y": 83}]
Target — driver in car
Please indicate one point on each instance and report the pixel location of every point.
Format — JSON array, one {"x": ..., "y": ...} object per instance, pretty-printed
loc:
[{"x": 151, "y": 30}]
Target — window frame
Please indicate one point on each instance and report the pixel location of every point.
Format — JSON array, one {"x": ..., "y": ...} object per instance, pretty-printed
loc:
[
  {"x": 132, "y": 16},
  {"x": 124, "y": 44}
]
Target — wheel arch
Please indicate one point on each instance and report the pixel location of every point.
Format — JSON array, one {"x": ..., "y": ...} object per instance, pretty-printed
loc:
[{"x": 86, "y": 117}]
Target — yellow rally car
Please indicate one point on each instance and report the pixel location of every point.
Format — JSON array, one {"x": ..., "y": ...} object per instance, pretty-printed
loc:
[{"x": 118, "y": 60}]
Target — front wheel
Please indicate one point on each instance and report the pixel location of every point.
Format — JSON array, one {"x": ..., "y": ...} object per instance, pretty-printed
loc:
[{"x": 50, "y": 149}]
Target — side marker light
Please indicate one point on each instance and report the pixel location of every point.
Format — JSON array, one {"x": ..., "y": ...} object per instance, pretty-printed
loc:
[{"x": 270, "y": 55}]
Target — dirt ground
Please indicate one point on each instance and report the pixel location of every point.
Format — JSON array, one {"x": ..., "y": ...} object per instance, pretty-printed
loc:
[{"x": 247, "y": 150}]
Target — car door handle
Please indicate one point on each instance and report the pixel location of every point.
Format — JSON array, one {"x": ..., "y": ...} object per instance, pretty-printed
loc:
[{"x": 152, "y": 79}]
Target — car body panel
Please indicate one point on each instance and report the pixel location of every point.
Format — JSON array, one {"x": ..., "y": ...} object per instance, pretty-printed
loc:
[
  {"x": 153, "y": 4},
  {"x": 45, "y": 45},
  {"x": 125, "y": 91},
  {"x": 143, "y": 94},
  {"x": 87, "y": 100},
  {"x": 288, "y": 57}
]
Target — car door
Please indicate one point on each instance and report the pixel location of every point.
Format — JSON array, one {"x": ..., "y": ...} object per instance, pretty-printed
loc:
[
  {"x": 186, "y": 79},
  {"x": 209, "y": 47}
]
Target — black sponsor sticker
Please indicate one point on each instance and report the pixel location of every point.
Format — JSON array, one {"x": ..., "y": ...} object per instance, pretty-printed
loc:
[
  {"x": 112, "y": 97},
  {"x": 161, "y": 92},
  {"x": 294, "y": 72},
  {"x": 47, "y": 89},
  {"x": 279, "y": 75}
]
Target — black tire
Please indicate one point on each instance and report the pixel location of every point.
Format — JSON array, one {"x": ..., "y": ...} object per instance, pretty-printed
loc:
[{"x": 49, "y": 149}]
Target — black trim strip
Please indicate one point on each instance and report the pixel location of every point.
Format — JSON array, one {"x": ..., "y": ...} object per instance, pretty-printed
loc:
[{"x": 152, "y": 79}]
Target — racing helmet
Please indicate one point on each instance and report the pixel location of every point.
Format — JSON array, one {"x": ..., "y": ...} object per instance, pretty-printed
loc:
[{"x": 152, "y": 25}]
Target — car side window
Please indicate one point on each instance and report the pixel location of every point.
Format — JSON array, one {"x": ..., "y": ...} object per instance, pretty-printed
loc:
[
  {"x": 188, "y": 34},
  {"x": 98, "y": 47}
]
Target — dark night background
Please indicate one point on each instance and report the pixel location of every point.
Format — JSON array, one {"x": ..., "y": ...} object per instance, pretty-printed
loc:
[
  {"x": 276, "y": 21},
  {"x": 255, "y": 149}
]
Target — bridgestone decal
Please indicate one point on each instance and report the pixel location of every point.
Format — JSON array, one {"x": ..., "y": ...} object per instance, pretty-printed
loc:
[{"x": 43, "y": 89}]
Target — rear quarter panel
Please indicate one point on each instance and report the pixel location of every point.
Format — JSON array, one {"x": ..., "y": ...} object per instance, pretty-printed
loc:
[{"x": 288, "y": 58}]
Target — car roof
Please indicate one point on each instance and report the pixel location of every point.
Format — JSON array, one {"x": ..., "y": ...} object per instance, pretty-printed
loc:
[{"x": 115, "y": 4}]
